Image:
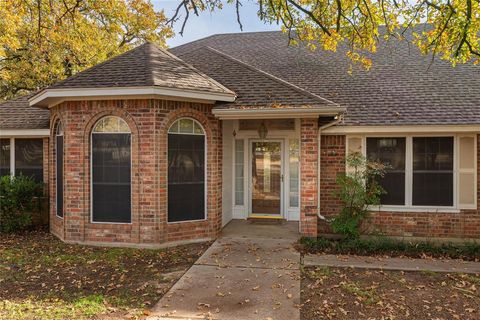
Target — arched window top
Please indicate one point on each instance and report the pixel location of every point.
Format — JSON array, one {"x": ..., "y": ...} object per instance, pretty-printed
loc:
[
  {"x": 111, "y": 124},
  {"x": 59, "y": 129},
  {"x": 186, "y": 126}
]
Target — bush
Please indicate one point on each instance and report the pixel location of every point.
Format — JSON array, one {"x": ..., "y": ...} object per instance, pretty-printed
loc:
[
  {"x": 358, "y": 189},
  {"x": 387, "y": 246},
  {"x": 19, "y": 199}
]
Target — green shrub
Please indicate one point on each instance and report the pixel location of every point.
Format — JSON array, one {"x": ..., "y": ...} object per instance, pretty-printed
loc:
[
  {"x": 358, "y": 189},
  {"x": 19, "y": 199},
  {"x": 392, "y": 247}
]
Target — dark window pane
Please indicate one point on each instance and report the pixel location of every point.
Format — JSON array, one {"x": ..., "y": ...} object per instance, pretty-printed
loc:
[
  {"x": 4, "y": 157},
  {"x": 59, "y": 176},
  {"x": 29, "y": 158},
  {"x": 111, "y": 177},
  {"x": 390, "y": 151},
  {"x": 186, "y": 177},
  {"x": 433, "y": 171}
]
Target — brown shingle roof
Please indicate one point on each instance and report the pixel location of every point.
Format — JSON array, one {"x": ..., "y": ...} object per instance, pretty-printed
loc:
[
  {"x": 17, "y": 114},
  {"x": 145, "y": 66},
  {"x": 254, "y": 88},
  {"x": 403, "y": 87}
]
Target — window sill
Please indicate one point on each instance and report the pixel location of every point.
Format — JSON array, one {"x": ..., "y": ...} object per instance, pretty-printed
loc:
[{"x": 414, "y": 209}]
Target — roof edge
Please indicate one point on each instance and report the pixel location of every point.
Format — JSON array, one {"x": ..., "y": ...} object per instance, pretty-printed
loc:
[
  {"x": 276, "y": 113},
  {"x": 50, "y": 97},
  {"x": 398, "y": 128}
]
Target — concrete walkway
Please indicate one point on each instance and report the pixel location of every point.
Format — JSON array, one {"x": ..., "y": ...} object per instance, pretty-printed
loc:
[
  {"x": 251, "y": 272},
  {"x": 405, "y": 264}
]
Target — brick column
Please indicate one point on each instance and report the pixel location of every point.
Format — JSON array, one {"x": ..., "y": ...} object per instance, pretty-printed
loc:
[{"x": 308, "y": 177}]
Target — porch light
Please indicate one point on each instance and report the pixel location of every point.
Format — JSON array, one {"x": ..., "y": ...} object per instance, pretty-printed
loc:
[{"x": 262, "y": 131}]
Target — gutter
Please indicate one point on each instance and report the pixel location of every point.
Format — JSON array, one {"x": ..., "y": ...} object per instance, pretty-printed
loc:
[{"x": 338, "y": 118}]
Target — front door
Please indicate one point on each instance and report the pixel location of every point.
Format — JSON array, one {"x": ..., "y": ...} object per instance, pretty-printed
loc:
[{"x": 266, "y": 178}]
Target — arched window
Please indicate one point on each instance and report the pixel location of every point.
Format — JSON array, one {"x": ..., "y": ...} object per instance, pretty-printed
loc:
[
  {"x": 186, "y": 171},
  {"x": 59, "y": 168},
  {"x": 111, "y": 171}
]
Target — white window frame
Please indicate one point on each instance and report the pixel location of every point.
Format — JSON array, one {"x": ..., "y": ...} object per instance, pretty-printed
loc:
[
  {"x": 204, "y": 134},
  {"x": 409, "y": 207},
  {"x": 91, "y": 171},
  {"x": 12, "y": 151}
]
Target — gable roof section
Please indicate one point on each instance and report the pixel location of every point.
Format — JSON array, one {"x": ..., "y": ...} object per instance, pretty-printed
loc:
[
  {"x": 16, "y": 114},
  {"x": 403, "y": 87},
  {"x": 256, "y": 90},
  {"x": 144, "y": 70}
]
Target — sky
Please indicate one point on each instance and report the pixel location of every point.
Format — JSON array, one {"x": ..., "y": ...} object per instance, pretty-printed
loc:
[{"x": 220, "y": 21}]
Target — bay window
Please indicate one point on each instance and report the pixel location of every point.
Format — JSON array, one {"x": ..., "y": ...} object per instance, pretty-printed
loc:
[
  {"x": 186, "y": 171},
  {"x": 111, "y": 171}
]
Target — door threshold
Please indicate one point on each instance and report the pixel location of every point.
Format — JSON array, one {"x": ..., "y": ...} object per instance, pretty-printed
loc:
[{"x": 265, "y": 216}]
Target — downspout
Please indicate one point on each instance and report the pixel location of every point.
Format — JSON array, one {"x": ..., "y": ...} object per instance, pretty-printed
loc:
[{"x": 338, "y": 118}]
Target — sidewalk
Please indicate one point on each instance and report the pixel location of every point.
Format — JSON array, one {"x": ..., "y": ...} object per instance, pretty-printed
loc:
[
  {"x": 255, "y": 277},
  {"x": 405, "y": 264}
]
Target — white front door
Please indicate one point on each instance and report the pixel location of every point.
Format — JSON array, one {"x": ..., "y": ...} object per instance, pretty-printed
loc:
[{"x": 266, "y": 178}]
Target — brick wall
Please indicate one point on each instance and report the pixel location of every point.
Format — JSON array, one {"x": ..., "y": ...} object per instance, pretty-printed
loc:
[
  {"x": 149, "y": 121},
  {"x": 308, "y": 176},
  {"x": 465, "y": 224}
]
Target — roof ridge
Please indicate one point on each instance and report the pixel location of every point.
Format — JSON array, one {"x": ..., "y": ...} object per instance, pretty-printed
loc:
[
  {"x": 191, "y": 67},
  {"x": 271, "y": 76}
]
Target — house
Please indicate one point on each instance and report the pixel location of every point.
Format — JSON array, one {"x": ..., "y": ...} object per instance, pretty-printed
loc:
[{"x": 158, "y": 147}]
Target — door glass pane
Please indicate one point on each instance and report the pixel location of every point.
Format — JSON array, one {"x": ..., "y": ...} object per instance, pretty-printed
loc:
[
  {"x": 266, "y": 177},
  {"x": 432, "y": 171},
  {"x": 294, "y": 172},
  {"x": 111, "y": 181},
  {"x": 390, "y": 151},
  {"x": 4, "y": 157},
  {"x": 186, "y": 177},
  {"x": 29, "y": 158},
  {"x": 239, "y": 175}
]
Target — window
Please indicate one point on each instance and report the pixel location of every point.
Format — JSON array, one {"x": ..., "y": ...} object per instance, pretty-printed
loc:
[
  {"x": 390, "y": 151},
  {"x": 239, "y": 174},
  {"x": 29, "y": 158},
  {"x": 294, "y": 172},
  {"x": 111, "y": 171},
  {"x": 432, "y": 171},
  {"x": 4, "y": 157},
  {"x": 186, "y": 171},
  {"x": 59, "y": 168},
  {"x": 422, "y": 170}
]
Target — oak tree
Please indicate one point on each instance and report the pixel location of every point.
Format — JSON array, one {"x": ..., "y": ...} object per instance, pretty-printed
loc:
[{"x": 43, "y": 41}]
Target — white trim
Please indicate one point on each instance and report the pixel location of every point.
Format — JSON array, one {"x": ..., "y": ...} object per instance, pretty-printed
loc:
[
  {"x": 402, "y": 129},
  {"x": 25, "y": 133},
  {"x": 51, "y": 97},
  {"x": 205, "y": 173},
  {"x": 275, "y": 113}
]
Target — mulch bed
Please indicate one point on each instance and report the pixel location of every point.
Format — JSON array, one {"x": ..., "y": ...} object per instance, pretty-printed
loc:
[
  {"x": 44, "y": 278},
  {"x": 340, "y": 293}
]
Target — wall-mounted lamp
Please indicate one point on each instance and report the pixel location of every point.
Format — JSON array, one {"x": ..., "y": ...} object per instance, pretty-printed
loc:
[{"x": 262, "y": 131}]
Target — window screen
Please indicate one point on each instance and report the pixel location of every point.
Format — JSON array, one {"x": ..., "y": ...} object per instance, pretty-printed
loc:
[
  {"x": 29, "y": 158},
  {"x": 111, "y": 177},
  {"x": 4, "y": 157},
  {"x": 390, "y": 151},
  {"x": 59, "y": 171},
  {"x": 432, "y": 171},
  {"x": 186, "y": 172}
]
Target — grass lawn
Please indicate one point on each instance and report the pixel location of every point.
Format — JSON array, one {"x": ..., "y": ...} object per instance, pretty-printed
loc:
[
  {"x": 44, "y": 278},
  {"x": 335, "y": 293}
]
